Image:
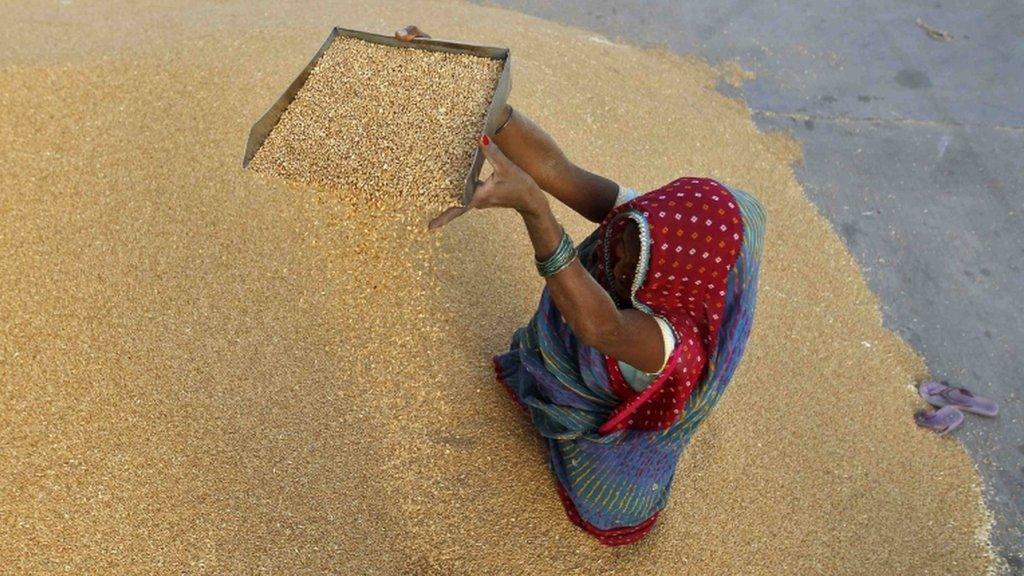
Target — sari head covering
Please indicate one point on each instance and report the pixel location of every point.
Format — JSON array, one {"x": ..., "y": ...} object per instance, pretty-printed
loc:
[
  {"x": 613, "y": 451},
  {"x": 691, "y": 231}
]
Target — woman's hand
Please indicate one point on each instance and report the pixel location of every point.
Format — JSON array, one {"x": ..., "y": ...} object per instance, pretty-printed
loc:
[
  {"x": 507, "y": 187},
  {"x": 409, "y": 33}
]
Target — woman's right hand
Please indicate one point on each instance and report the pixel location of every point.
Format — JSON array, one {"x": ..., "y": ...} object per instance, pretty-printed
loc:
[
  {"x": 507, "y": 187},
  {"x": 410, "y": 33}
]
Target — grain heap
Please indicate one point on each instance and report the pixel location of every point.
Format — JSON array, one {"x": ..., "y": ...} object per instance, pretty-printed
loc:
[
  {"x": 391, "y": 124},
  {"x": 207, "y": 371}
]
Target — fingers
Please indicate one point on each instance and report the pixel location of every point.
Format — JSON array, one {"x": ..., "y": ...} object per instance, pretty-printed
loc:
[
  {"x": 480, "y": 199},
  {"x": 447, "y": 216},
  {"x": 409, "y": 33},
  {"x": 493, "y": 154}
]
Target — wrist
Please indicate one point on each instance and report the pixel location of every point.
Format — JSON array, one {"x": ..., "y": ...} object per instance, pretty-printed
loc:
[{"x": 506, "y": 114}]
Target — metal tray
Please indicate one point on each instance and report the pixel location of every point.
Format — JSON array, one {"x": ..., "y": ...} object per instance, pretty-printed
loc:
[{"x": 262, "y": 128}]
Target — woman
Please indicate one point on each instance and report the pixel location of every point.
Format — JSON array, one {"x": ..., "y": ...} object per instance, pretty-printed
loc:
[{"x": 639, "y": 329}]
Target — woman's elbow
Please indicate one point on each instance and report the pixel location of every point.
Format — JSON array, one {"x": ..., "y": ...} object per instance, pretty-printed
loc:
[{"x": 594, "y": 334}]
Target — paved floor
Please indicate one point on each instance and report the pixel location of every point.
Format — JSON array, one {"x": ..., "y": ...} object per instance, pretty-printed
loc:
[{"x": 914, "y": 149}]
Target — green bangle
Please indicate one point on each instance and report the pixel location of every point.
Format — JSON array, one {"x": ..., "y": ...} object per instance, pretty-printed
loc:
[{"x": 564, "y": 254}]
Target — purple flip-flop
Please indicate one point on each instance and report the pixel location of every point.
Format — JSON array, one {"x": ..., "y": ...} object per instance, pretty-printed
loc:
[
  {"x": 943, "y": 420},
  {"x": 940, "y": 394}
]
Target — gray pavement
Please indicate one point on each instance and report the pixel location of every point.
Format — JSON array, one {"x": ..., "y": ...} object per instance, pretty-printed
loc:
[{"x": 914, "y": 149}]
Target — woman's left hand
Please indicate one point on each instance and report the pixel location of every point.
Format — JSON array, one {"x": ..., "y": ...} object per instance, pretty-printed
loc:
[
  {"x": 410, "y": 33},
  {"x": 507, "y": 187}
]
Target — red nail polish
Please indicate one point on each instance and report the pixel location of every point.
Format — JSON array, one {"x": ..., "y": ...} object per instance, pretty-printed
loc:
[{"x": 485, "y": 140}]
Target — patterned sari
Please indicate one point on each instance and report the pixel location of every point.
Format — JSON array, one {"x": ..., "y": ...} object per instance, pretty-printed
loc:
[{"x": 614, "y": 451}]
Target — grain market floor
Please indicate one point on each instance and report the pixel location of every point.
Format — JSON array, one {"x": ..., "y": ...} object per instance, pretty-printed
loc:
[{"x": 205, "y": 370}]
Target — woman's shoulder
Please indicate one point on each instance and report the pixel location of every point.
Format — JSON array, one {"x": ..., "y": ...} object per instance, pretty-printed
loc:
[{"x": 687, "y": 335}]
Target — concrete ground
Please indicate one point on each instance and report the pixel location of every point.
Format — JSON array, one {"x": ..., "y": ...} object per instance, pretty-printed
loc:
[{"x": 914, "y": 149}]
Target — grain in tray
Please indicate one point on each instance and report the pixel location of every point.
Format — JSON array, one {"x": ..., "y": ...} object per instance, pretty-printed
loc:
[{"x": 396, "y": 126}]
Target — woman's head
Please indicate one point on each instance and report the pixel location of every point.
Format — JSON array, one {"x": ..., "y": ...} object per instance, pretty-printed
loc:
[{"x": 627, "y": 256}]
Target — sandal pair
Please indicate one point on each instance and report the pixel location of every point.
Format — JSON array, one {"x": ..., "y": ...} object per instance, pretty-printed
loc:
[{"x": 951, "y": 402}]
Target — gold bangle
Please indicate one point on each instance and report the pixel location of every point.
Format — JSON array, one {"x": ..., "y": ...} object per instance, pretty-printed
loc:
[{"x": 511, "y": 111}]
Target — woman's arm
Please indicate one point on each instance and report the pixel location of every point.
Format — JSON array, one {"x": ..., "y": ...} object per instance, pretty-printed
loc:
[
  {"x": 533, "y": 150},
  {"x": 532, "y": 161},
  {"x": 629, "y": 336}
]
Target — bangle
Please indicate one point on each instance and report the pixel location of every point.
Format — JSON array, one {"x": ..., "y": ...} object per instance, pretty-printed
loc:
[
  {"x": 511, "y": 111},
  {"x": 564, "y": 254}
]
